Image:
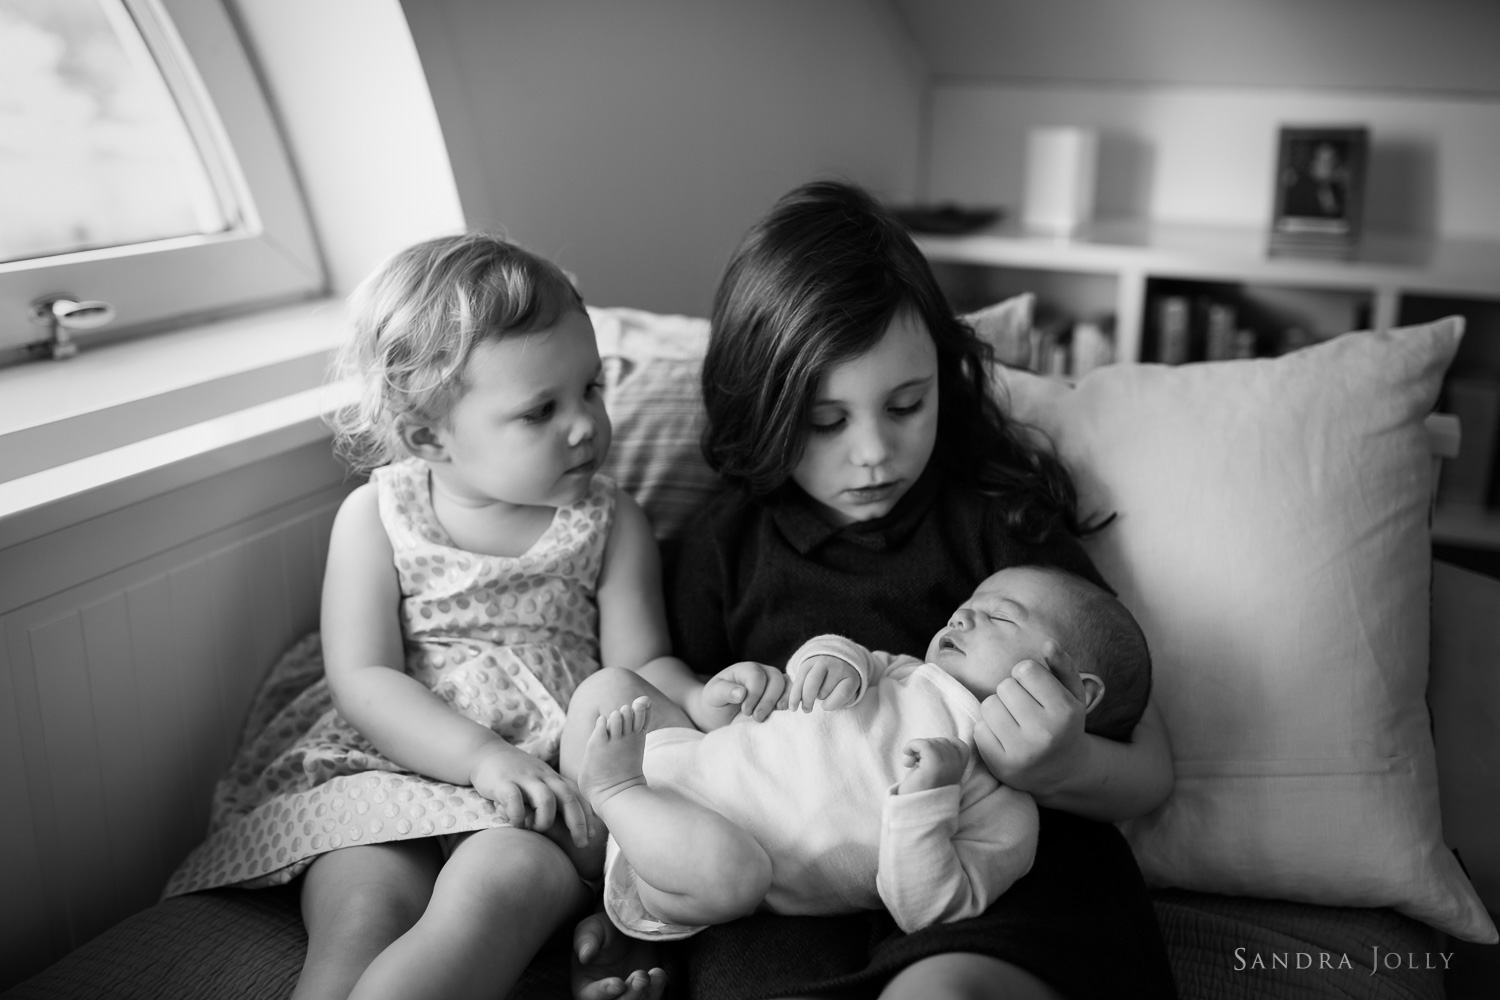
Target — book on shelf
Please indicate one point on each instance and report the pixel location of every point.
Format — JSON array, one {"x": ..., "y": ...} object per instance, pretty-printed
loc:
[
  {"x": 1466, "y": 478},
  {"x": 1174, "y": 345},
  {"x": 1246, "y": 344},
  {"x": 1219, "y": 330},
  {"x": 1318, "y": 246},
  {"x": 1091, "y": 347}
]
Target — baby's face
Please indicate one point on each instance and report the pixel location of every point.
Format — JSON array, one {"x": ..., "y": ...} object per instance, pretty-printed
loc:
[{"x": 1009, "y": 618}]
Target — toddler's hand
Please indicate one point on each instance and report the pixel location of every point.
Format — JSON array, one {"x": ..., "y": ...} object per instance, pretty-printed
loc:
[
  {"x": 828, "y": 679},
  {"x": 1033, "y": 739},
  {"x": 745, "y": 688},
  {"x": 529, "y": 792},
  {"x": 934, "y": 763}
]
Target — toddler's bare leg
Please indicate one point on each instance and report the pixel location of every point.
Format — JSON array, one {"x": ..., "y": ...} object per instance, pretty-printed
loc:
[
  {"x": 694, "y": 865},
  {"x": 355, "y": 902},
  {"x": 497, "y": 900}
]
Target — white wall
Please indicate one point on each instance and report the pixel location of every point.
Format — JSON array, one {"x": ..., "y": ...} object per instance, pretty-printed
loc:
[
  {"x": 1189, "y": 96},
  {"x": 1207, "y": 154},
  {"x": 634, "y": 142},
  {"x": 1433, "y": 47},
  {"x": 347, "y": 87}
]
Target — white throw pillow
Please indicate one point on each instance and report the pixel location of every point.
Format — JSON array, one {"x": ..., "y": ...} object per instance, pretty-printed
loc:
[{"x": 1273, "y": 539}]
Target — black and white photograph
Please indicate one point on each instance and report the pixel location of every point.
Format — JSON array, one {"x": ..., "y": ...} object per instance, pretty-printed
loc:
[
  {"x": 749, "y": 500},
  {"x": 1320, "y": 180}
]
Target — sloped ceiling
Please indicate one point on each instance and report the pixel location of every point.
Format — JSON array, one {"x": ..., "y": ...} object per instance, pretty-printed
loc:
[{"x": 1440, "y": 46}]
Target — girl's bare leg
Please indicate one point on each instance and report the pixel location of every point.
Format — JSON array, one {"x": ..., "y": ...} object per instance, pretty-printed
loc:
[
  {"x": 497, "y": 900},
  {"x": 355, "y": 902},
  {"x": 966, "y": 976}
]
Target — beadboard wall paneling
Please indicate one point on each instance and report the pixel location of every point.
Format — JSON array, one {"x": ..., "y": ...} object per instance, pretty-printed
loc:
[{"x": 130, "y": 647}]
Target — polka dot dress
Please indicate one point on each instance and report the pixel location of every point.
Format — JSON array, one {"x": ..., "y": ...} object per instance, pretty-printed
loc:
[{"x": 504, "y": 640}]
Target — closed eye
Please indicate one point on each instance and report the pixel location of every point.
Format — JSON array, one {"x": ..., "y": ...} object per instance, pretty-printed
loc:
[
  {"x": 906, "y": 411},
  {"x": 828, "y": 428},
  {"x": 540, "y": 414}
]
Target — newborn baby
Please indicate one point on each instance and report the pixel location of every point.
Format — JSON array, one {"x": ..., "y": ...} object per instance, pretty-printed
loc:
[{"x": 874, "y": 796}]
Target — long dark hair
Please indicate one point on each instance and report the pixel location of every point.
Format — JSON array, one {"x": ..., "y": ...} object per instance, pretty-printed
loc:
[{"x": 815, "y": 284}]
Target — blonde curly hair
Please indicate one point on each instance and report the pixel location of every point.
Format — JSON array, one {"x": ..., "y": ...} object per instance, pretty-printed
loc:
[{"x": 416, "y": 320}]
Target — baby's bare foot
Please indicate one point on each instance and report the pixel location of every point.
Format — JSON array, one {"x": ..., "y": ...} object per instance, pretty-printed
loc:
[{"x": 612, "y": 757}]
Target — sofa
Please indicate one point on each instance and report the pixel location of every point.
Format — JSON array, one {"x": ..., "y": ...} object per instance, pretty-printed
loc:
[{"x": 1332, "y": 693}]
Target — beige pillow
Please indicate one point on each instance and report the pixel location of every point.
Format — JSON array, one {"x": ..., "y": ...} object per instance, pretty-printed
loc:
[
  {"x": 1272, "y": 538},
  {"x": 652, "y": 370}
]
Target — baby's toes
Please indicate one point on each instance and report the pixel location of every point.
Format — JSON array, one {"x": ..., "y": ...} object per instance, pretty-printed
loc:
[
  {"x": 640, "y": 714},
  {"x": 616, "y": 724}
]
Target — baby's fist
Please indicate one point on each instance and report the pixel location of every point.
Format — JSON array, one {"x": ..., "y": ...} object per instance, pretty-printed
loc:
[
  {"x": 829, "y": 679},
  {"x": 933, "y": 763}
]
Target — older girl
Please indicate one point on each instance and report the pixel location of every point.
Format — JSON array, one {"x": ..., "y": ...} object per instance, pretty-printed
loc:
[{"x": 874, "y": 482}]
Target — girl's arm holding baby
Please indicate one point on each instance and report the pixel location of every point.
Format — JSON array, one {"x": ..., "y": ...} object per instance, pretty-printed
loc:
[
  {"x": 1035, "y": 741},
  {"x": 365, "y": 658}
]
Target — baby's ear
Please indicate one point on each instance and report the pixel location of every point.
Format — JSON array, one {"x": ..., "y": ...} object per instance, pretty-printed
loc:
[
  {"x": 1093, "y": 691},
  {"x": 422, "y": 441}
]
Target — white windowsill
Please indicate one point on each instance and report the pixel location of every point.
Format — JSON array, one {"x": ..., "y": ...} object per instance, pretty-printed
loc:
[
  {"x": 125, "y": 421},
  {"x": 54, "y": 412}
]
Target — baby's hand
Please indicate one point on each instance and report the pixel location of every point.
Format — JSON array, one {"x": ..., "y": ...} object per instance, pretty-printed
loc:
[
  {"x": 529, "y": 792},
  {"x": 934, "y": 763},
  {"x": 745, "y": 688},
  {"x": 828, "y": 679}
]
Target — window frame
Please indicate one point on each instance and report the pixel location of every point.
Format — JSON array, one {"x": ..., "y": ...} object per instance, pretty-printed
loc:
[{"x": 272, "y": 258}]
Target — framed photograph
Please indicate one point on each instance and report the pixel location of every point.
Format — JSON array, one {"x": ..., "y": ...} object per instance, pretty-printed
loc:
[{"x": 1320, "y": 180}]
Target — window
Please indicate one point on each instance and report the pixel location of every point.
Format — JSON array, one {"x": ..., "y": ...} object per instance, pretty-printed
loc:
[{"x": 135, "y": 174}]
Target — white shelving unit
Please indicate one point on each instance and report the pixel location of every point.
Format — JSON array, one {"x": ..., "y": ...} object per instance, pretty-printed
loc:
[
  {"x": 1399, "y": 277},
  {"x": 1132, "y": 253}
]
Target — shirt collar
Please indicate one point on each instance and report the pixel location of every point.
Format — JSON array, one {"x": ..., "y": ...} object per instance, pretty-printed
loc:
[{"x": 801, "y": 521}]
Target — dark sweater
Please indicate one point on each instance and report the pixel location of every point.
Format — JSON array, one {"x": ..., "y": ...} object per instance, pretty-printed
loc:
[{"x": 753, "y": 581}]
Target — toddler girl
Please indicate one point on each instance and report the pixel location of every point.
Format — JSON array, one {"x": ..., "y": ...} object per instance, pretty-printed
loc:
[
  {"x": 485, "y": 569},
  {"x": 874, "y": 482}
]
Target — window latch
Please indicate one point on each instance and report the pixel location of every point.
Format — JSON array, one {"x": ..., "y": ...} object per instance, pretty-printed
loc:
[{"x": 63, "y": 314}]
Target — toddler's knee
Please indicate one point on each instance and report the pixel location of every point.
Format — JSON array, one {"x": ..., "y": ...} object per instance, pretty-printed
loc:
[
  {"x": 528, "y": 866},
  {"x": 374, "y": 910}
]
